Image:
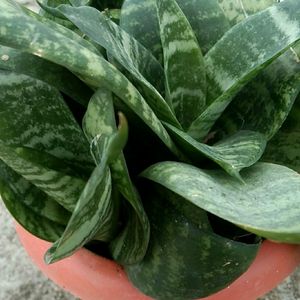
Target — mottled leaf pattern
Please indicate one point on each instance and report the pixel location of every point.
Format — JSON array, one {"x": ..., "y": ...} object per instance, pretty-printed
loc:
[
  {"x": 184, "y": 245},
  {"x": 284, "y": 147},
  {"x": 186, "y": 87},
  {"x": 34, "y": 115},
  {"x": 56, "y": 76},
  {"x": 244, "y": 204},
  {"x": 33, "y": 209},
  {"x": 128, "y": 52},
  {"x": 238, "y": 10},
  {"x": 239, "y": 151},
  {"x": 131, "y": 244},
  {"x": 228, "y": 71},
  {"x": 95, "y": 70},
  {"x": 264, "y": 104}
]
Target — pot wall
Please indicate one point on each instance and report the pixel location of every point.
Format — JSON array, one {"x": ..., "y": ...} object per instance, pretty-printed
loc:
[{"x": 91, "y": 277}]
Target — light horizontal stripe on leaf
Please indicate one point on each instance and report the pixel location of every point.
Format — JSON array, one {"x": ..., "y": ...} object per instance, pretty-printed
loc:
[
  {"x": 92, "y": 68},
  {"x": 241, "y": 150},
  {"x": 35, "y": 115},
  {"x": 228, "y": 71},
  {"x": 56, "y": 76},
  {"x": 131, "y": 243},
  {"x": 243, "y": 204},
  {"x": 186, "y": 87},
  {"x": 266, "y": 101},
  {"x": 136, "y": 59},
  {"x": 30, "y": 206},
  {"x": 187, "y": 247}
]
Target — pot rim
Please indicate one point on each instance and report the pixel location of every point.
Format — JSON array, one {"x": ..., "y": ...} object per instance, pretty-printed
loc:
[{"x": 273, "y": 263}]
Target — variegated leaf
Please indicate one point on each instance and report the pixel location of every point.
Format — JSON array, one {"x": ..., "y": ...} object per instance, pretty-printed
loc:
[
  {"x": 131, "y": 244},
  {"x": 94, "y": 214},
  {"x": 229, "y": 71},
  {"x": 238, "y": 10},
  {"x": 246, "y": 205},
  {"x": 56, "y": 76},
  {"x": 239, "y": 151},
  {"x": 284, "y": 147},
  {"x": 186, "y": 87},
  {"x": 264, "y": 104},
  {"x": 206, "y": 18},
  {"x": 35, "y": 115},
  {"x": 92, "y": 68},
  {"x": 137, "y": 60},
  {"x": 32, "y": 208},
  {"x": 185, "y": 257},
  {"x": 65, "y": 189}
]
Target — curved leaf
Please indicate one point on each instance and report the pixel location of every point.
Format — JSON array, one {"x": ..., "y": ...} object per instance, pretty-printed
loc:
[
  {"x": 33, "y": 209},
  {"x": 185, "y": 257},
  {"x": 269, "y": 190},
  {"x": 131, "y": 244},
  {"x": 128, "y": 52},
  {"x": 229, "y": 71},
  {"x": 34, "y": 115},
  {"x": 95, "y": 70},
  {"x": 264, "y": 104},
  {"x": 238, "y": 10},
  {"x": 56, "y": 76},
  {"x": 186, "y": 87},
  {"x": 95, "y": 211},
  {"x": 239, "y": 151},
  {"x": 206, "y": 18},
  {"x": 284, "y": 147}
]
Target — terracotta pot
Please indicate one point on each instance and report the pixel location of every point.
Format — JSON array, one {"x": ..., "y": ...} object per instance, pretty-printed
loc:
[{"x": 91, "y": 277}]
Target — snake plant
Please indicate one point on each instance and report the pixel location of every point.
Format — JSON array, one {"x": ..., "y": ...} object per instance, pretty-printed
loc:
[{"x": 162, "y": 133}]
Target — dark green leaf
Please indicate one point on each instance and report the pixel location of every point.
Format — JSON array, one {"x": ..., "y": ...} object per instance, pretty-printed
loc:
[
  {"x": 56, "y": 76},
  {"x": 266, "y": 204},
  {"x": 131, "y": 244},
  {"x": 239, "y": 151},
  {"x": 228, "y": 71},
  {"x": 186, "y": 87},
  {"x": 284, "y": 148},
  {"x": 238, "y": 10},
  {"x": 264, "y": 104},
  {"x": 185, "y": 259},
  {"x": 32, "y": 208},
  {"x": 127, "y": 51},
  {"x": 93, "y": 69}
]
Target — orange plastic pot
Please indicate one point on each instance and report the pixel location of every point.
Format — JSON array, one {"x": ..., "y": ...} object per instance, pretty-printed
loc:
[{"x": 91, "y": 277}]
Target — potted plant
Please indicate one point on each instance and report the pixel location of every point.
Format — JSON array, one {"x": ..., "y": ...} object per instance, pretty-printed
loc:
[{"x": 162, "y": 134}]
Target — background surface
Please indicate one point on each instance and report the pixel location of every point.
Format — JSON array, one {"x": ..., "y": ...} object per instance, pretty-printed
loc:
[{"x": 20, "y": 279}]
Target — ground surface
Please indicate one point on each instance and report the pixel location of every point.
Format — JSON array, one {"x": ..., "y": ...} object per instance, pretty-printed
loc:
[{"x": 20, "y": 280}]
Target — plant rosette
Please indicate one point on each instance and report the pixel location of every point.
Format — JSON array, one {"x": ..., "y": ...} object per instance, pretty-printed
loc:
[
  {"x": 163, "y": 135},
  {"x": 91, "y": 277}
]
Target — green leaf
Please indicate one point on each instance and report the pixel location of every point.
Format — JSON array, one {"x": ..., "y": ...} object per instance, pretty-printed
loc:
[
  {"x": 92, "y": 68},
  {"x": 94, "y": 214},
  {"x": 34, "y": 115},
  {"x": 56, "y": 76},
  {"x": 65, "y": 189},
  {"x": 186, "y": 87},
  {"x": 228, "y": 72},
  {"x": 239, "y": 151},
  {"x": 237, "y": 11},
  {"x": 32, "y": 208},
  {"x": 264, "y": 104},
  {"x": 136, "y": 59},
  {"x": 284, "y": 147},
  {"x": 269, "y": 190},
  {"x": 186, "y": 260},
  {"x": 131, "y": 243},
  {"x": 206, "y": 18}
]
